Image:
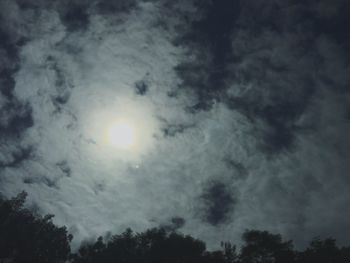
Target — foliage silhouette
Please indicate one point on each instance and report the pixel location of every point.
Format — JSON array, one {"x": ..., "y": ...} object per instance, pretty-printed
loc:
[
  {"x": 25, "y": 237},
  {"x": 264, "y": 247},
  {"x": 154, "y": 245},
  {"x": 324, "y": 251},
  {"x": 29, "y": 238}
]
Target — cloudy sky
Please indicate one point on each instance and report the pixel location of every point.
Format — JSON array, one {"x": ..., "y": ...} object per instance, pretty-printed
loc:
[{"x": 209, "y": 117}]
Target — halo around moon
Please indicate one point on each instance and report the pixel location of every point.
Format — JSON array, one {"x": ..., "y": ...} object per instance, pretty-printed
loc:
[{"x": 123, "y": 129}]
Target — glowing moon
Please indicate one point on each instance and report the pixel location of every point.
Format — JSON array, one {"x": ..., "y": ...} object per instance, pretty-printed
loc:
[
  {"x": 122, "y": 129},
  {"x": 122, "y": 135}
]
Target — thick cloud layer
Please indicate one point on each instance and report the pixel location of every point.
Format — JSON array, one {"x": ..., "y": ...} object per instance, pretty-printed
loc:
[{"x": 242, "y": 106}]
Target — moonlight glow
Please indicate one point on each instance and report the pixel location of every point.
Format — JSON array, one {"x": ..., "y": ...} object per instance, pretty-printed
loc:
[
  {"x": 122, "y": 135},
  {"x": 120, "y": 129}
]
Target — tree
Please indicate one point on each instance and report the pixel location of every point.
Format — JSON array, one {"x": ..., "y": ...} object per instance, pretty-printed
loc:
[
  {"x": 229, "y": 252},
  {"x": 264, "y": 247},
  {"x": 29, "y": 238},
  {"x": 154, "y": 245},
  {"x": 320, "y": 251}
]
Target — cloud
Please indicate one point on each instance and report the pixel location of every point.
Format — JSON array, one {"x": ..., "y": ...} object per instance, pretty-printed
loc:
[
  {"x": 244, "y": 119},
  {"x": 218, "y": 201},
  {"x": 175, "y": 224},
  {"x": 141, "y": 88}
]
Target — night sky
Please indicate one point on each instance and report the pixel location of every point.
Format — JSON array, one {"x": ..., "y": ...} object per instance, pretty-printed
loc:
[{"x": 206, "y": 117}]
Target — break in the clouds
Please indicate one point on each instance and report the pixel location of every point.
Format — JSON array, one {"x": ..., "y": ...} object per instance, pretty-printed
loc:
[{"x": 239, "y": 113}]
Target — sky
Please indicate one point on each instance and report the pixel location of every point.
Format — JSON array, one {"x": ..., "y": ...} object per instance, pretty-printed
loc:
[{"x": 239, "y": 112}]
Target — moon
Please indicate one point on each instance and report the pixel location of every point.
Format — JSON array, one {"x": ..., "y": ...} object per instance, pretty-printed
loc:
[
  {"x": 122, "y": 135},
  {"x": 124, "y": 129}
]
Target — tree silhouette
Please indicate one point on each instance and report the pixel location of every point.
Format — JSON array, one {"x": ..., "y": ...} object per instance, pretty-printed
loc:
[
  {"x": 229, "y": 252},
  {"x": 264, "y": 247},
  {"x": 154, "y": 245},
  {"x": 324, "y": 251},
  {"x": 27, "y": 238}
]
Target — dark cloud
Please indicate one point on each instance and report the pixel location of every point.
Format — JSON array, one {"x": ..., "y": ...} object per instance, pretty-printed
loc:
[
  {"x": 209, "y": 40},
  {"x": 15, "y": 114},
  {"x": 63, "y": 85},
  {"x": 15, "y": 117},
  {"x": 214, "y": 30},
  {"x": 141, "y": 87},
  {"x": 261, "y": 59},
  {"x": 218, "y": 203},
  {"x": 9, "y": 60},
  {"x": 9, "y": 44},
  {"x": 268, "y": 85},
  {"x": 17, "y": 156},
  {"x": 330, "y": 18},
  {"x": 115, "y": 7},
  {"x": 74, "y": 15},
  {"x": 7, "y": 82},
  {"x": 280, "y": 116},
  {"x": 61, "y": 99},
  {"x": 172, "y": 130}
]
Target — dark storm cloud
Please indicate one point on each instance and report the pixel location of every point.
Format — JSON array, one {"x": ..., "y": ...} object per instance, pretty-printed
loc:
[{"x": 218, "y": 203}]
